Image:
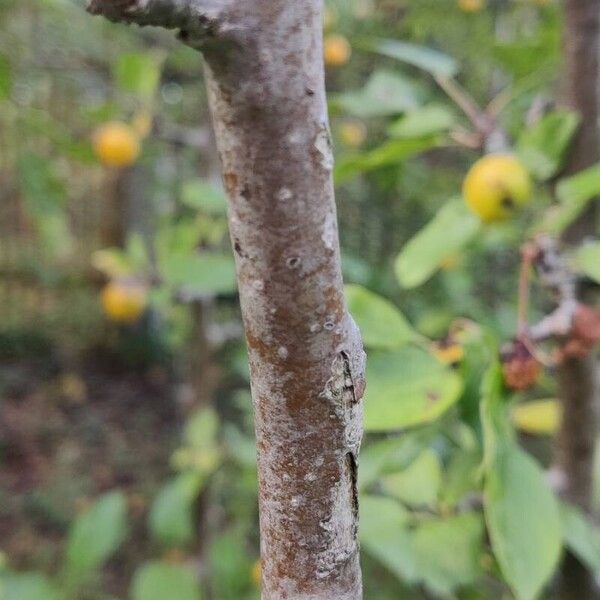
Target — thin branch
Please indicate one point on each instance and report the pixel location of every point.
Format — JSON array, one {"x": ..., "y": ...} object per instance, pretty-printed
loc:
[
  {"x": 528, "y": 254},
  {"x": 196, "y": 19},
  {"x": 461, "y": 98}
]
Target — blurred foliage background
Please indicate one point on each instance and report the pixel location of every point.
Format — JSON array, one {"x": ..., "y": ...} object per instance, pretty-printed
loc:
[{"x": 127, "y": 460}]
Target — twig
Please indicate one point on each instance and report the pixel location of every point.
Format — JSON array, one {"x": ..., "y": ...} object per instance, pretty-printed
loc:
[{"x": 461, "y": 98}]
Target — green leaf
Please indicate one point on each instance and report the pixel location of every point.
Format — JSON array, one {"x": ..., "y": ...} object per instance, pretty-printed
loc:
[
  {"x": 450, "y": 230},
  {"x": 448, "y": 550},
  {"x": 201, "y": 273},
  {"x": 543, "y": 146},
  {"x": 138, "y": 73},
  {"x": 44, "y": 192},
  {"x": 428, "y": 59},
  {"x": 45, "y": 195},
  {"x": 390, "y": 153},
  {"x": 94, "y": 537},
  {"x": 407, "y": 388},
  {"x": 574, "y": 193},
  {"x": 424, "y": 121},
  {"x": 201, "y": 429},
  {"x": 201, "y": 195},
  {"x": 581, "y": 536},
  {"x": 494, "y": 415},
  {"x": 461, "y": 477},
  {"x": 418, "y": 484},
  {"x": 159, "y": 581},
  {"x": 230, "y": 566},
  {"x": 385, "y": 93},
  {"x": 520, "y": 508},
  {"x": 27, "y": 586},
  {"x": 381, "y": 324},
  {"x": 389, "y": 455},
  {"x": 587, "y": 260},
  {"x": 171, "y": 518},
  {"x": 384, "y": 534},
  {"x": 5, "y": 76}
]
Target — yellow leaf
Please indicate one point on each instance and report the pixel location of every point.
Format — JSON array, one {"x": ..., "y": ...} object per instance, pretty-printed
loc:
[{"x": 539, "y": 417}]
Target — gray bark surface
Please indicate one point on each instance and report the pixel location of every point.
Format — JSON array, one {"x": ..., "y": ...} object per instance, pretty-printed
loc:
[
  {"x": 265, "y": 79},
  {"x": 579, "y": 383}
]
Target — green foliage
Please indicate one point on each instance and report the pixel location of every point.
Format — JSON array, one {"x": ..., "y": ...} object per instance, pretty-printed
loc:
[
  {"x": 587, "y": 260},
  {"x": 27, "y": 586},
  {"x": 44, "y": 194},
  {"x": 436, "y": 443},
  {"x": 5, "y": 76},
  {"x": 158, "y": 580},
  {"x": 386, "y": 93},
  {"x": 383, "y": 326},
  {"x": 424, "y": 121},
  {"x": 171, "y": 518},
  {"x": 231, "y": 566},
  {"x": 449, "y": 231},
  {"x": 582, "y": 537},
  {"x": 385, "y": 536},
  {"x": 419, "y": 484},
  {"x": 520, "y": 509},
  {"x": 208, "y": 274},
  {"x": 543, "y": 146},
  {"x": 95, "y": 536},
  {"x": 425, "y": 58},
  {"x": 574, "y": 194},
  {"x": 448, "y": 550},
  {"x": 202, "y": 196},
  {"x": 138, "y": 73},
  {"x": 390, "y": 153},
  {"x": 407, "y": 388}
]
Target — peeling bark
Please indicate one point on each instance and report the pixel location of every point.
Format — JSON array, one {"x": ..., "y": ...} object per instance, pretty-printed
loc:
[{"x": 266, "y": 88}]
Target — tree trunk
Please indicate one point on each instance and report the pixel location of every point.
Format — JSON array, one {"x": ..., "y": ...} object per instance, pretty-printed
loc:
[
  {"x": 265, "y": 78},
  {"x": 579, "y": 385},
  {"x": 578, "y": 378}
]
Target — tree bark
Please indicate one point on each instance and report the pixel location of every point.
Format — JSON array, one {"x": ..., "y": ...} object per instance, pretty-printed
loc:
[
  {"x": 579, "y": 384},
  {"x": 578, "y": 378},
  {"x": 265, "y": 78}
]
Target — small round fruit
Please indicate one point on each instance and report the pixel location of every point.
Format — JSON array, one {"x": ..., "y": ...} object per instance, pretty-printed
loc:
[
  {"x": 337, "y": 50},
  {"x": 353, "y": 133},
  {"x": 124, "y": 301},
  {"x": 520, "y": 369},
  {"x": 496, "y": 186},
  {"x": 471, "y": 6},
  {"x": 116, "y": 144}
]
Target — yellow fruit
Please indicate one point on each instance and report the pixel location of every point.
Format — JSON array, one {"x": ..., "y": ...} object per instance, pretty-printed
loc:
[
  {"x": 353, "y": 133},
  {"x": 496, "y": 186},
  {"x": 124, "y": 301},
  {"x": 256, "y": 574},
  {"x": 116, "y": 144},
  {"x": 337, "y": 50},
  {"x": 540, "y": 417},
  {"x": 471, "y": 6}
]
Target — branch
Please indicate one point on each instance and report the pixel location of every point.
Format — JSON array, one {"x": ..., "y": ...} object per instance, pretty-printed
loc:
[{"x": 196, "y": 19}]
